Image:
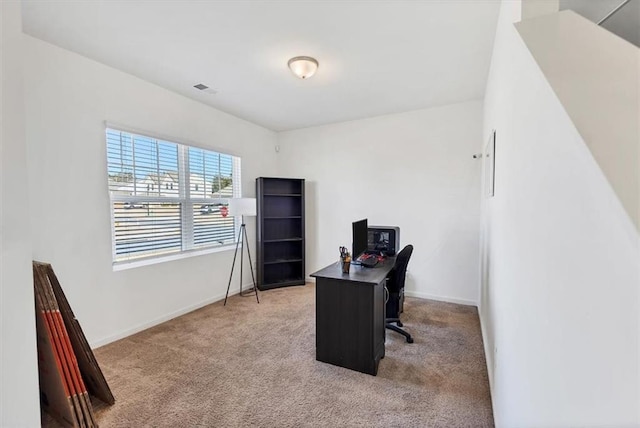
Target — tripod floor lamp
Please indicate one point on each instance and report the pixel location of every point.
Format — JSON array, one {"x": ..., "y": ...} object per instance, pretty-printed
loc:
[{"x": 240, "y": 207}]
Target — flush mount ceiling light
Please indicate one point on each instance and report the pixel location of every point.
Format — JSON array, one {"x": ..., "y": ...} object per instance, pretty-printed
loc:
[{"x": 303, "y": 66}]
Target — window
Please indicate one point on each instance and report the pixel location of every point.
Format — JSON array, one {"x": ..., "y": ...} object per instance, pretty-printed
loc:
[{"x": 166, "y": 197}]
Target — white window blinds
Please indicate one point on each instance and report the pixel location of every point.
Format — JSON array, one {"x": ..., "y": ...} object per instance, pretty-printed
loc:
[{"x": 168, "y": 197}]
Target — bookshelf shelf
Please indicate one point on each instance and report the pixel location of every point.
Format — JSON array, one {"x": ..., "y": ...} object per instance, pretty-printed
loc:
[{"x": 275, "y": 262}]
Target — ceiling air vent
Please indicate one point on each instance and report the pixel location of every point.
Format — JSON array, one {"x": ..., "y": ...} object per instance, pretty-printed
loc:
[{"x": 205, "y": 88}]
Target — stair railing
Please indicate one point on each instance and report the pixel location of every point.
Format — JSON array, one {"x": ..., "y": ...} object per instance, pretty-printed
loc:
[{"x": 613, "y": 12}]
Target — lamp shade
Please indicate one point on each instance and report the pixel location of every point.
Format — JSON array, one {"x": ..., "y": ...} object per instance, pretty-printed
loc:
[
  {"x": 242, "y": 206},
  {"x": 303, "y": 66}
]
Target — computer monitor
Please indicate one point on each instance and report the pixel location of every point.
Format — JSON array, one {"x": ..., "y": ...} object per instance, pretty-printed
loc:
[{"x": 360, "y": 231}]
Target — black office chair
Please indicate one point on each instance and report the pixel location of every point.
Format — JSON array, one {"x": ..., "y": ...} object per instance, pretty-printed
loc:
[{"x": 395, "y": 287}]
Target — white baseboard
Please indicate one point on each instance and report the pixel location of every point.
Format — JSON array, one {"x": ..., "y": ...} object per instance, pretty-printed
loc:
[
  {"x": 488, "y": 356},
  {"x": 236, "y": 290},
  {"x": 165, "y": 318},
  {"x": 439, "y": 298}
]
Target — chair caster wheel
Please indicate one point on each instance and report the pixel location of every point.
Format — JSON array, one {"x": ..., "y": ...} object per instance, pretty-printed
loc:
[
  {"x": 399, "y": 324},
  {"x": 409, "y": 340}
]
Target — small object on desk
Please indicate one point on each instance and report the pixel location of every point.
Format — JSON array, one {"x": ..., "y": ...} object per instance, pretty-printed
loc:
[
  {"x": 345, "y": 259},
  {"x": 346, "y": 264},
  {"x": 343, "y": 252}
]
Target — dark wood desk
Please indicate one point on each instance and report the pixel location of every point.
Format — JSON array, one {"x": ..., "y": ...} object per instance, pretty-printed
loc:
[{"x": 350, "y": 316}]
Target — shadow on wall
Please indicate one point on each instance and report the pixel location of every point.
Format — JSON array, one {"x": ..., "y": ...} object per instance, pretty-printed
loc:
[
  {"x": 311, "y": 231},
  {"x": 624, "y": 22}
]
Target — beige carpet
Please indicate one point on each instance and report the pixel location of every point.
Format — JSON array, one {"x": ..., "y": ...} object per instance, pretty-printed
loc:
[{"x": 254, "y": 365}]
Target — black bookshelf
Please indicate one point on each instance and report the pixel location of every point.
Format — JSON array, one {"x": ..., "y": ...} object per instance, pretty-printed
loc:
[{"x": 280, "y": 229}]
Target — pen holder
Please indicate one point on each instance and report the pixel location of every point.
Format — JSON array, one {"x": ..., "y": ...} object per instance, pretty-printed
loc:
[{"x": 346, "y": 264}]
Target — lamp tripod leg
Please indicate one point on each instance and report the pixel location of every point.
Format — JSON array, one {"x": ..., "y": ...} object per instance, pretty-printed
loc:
[
  {"x": 233, "y": 265},
  {"x": 242, "y": 233},
  {"x": 253, "y": 278}
]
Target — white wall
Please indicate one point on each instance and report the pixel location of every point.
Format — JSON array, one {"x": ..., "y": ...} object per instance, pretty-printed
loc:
[
  {"x": 534, "y": 8},
  {"x": 19, "y": 405},
  {"x": 559, "y": 305},
  {"x": 600, "y": 92},
  {"x": 68, "y": 97},
  {"x": 414, "y": 170}
]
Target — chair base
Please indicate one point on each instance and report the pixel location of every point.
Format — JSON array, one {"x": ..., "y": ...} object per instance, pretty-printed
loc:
[{"x": 397, "y": 329}]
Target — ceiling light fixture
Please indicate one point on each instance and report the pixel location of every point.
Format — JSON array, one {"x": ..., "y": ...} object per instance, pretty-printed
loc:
[{"x": 303, "y": 66}]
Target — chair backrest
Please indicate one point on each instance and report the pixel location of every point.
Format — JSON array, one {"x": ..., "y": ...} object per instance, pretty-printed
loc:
[{"x": 399, "y": 271}]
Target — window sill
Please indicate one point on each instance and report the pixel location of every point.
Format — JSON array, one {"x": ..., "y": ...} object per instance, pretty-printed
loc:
[{"x": 119, "y": 266}]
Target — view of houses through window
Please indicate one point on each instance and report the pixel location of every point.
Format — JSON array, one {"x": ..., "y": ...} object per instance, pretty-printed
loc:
[{"x": 168, "y": 197}]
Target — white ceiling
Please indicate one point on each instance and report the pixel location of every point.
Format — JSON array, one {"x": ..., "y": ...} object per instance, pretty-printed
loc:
[{"x": 376, "y": 57}]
